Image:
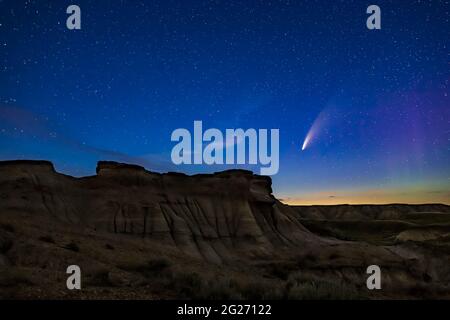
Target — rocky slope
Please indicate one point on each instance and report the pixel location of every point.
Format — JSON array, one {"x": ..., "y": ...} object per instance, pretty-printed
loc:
[
  {"x": 137, "y": 234},
  {"x": 208, "y": 216}
]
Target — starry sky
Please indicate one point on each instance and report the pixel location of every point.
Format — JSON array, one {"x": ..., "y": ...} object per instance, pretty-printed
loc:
[{"x": 377, "y": 101}]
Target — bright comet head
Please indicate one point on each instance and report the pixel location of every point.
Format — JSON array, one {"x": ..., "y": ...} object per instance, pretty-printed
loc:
[{"x": 305, "y": 143}]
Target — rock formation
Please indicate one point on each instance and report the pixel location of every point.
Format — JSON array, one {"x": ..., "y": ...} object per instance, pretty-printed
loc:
[{"x": 213, "y": 216}]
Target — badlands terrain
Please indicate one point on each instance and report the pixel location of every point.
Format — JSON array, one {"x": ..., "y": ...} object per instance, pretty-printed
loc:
[{"x": 142, "y": 235}]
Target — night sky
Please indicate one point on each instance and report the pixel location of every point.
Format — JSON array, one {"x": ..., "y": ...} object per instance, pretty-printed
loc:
[{"x": 377, "y": 100}]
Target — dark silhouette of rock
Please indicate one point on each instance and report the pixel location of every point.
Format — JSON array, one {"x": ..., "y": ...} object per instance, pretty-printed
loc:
[{"x": 213, "y": 216}]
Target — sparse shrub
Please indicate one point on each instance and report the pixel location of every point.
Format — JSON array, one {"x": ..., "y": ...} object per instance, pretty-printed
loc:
[
  {"x": 72, "y": 246},
  {"x": 47, "y": 239},
  {"x": 7, "y": 227},
  {"x": 220, "y": 289},
  {"x": 101, "y": 278},
  {"x": 280, "y": 270},
  {"x": 334, "y": 256},
  {"x": 310, "y": 257},
  {"x": 260, "y": 291},
  {"x": 194, "y": 286},
  {"x": 340, "y": 234},
  {"x": 5, "y": 244},
  {"x": 419, "y": 290},
  {"x": 306, "y": 260},
  {"x": 302, "y": 287},
  {"x": 157, "y": 265},
  {"x": 149, "y": 269},
  {"x": 186, "y": 285},
  {"x": 10, "y": 277}
]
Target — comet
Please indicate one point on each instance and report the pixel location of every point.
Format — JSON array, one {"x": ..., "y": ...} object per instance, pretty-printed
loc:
[
  {"x": 315, "y": 128},
  {"x": 306, "y": 142}
]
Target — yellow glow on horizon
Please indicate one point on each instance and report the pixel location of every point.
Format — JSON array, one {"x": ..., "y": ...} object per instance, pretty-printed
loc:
[{"x": 369, "y": 196}]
